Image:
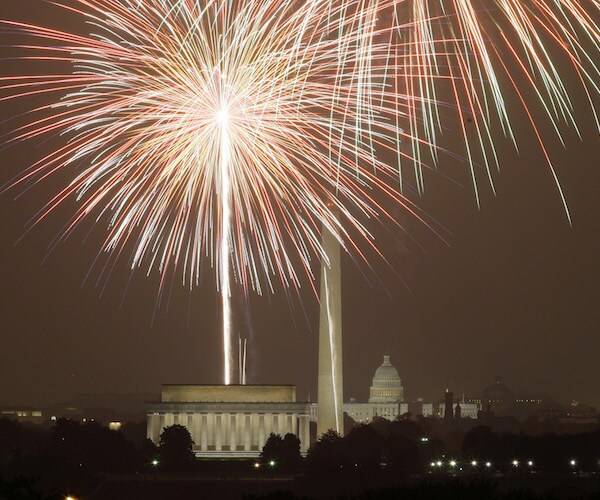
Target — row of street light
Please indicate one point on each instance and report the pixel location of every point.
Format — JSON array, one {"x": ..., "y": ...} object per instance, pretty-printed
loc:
[{"x": 474, "y": 463}]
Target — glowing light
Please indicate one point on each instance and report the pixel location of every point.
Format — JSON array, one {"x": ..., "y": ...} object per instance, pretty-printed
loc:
[
  {"x": 488, "y": 464},
  {"x": 515, "y": 463},
  {"x": 452, "y": 463},
  {"x": 474, "y": 463}
]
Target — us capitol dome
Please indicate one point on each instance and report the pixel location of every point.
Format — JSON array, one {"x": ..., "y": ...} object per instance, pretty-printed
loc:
[
  {"x": 386, "y": 386},
  {"x": 386, "y": 398}
]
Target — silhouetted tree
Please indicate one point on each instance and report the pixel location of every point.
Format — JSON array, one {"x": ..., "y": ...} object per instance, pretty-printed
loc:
[
  {"x": 291, "y": 452},
  {"x": 285, "y": 453},
  {"x": 22, "y": 488},
  {"x": 135, "y": 433},
  {"x": 93, "y": 447},
  {"x": 176, "y": 448},
  {"x": 19, "y": 440},
  {"x": 326, "y": 456},
  {"x": 402, "y": 455},
  {"x": 363, "y": 448},
  {"x": 149, "y": 452}
]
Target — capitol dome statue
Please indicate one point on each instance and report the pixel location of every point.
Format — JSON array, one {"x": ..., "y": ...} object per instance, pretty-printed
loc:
[{"x": 386, "y": 386}]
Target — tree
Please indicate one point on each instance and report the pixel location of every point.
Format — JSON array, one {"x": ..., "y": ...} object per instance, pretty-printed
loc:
[
  {"x": 175, "y": 448},
  {"x": 364, "y": 448},
  {"x": 283, "y": 453},
  {"x": 327, "y": 455},
  {"x": 92, "y": 447}
]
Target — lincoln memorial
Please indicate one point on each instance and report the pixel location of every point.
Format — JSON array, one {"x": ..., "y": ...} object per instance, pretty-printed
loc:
[{"x": 230, "y": 420}]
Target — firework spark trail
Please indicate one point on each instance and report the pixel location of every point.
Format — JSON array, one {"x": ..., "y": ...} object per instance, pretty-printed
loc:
[
  {"x": 225, "y": 249},
  {"x": 233, "y": 131}
]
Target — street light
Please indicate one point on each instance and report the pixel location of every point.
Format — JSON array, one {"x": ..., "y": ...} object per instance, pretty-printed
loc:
[
  {"x": 155, "y": 462},
  {"x": 452, "y": 463},
  {"x": 515, "y": 463},
  {"x": 256, "y": 465},
  {"x": 488, "y": 464},
  {"x": 272, "y": 463},
  {"x": 573, "y": 463},
  {"x": 474, "y": 463},
  {"x": 530, "y": 463},
  {"x": 439, "y": 463}
]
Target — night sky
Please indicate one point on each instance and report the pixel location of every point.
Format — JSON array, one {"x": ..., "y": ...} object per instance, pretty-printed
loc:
[{"x": 515, "y": 293}]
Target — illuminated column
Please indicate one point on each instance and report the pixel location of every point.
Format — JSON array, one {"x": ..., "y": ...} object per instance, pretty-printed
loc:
[
  {"x": 261, "y": 431},
  {"x": 294, "y": 427},
  {"x": 195, "y": 428},
  {"x": 304, "y": 433},
  {"x": 169, "y": 419},
  {"x": 218, "y": 435},
  {"x": 211, "y": 428},
  {"x": 276, "y": 425},
  {"x": 162, "y": 419},
  {"x": 247, "y": 432},
  {"x": 232, "y": 432},
  {"x": 153, "y": 429},
  {"x": 330, "y": 385},
  {"x": 225, "y": 421},
  {"x": 190, "y": 425},
  {"x": 268, "y": 424},
  {"x": 204, "y": 433},
  {"x": 288, "y": 424}
]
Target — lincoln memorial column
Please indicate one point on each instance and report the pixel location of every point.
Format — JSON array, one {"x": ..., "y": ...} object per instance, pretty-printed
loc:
[
  {"x": 304, "y": 433},
  {"x": 247, "y": 433},
  {"x": 232, "y": 432},
  {"x": 204, "y": 432},
  {"x": 195, "y": 426},
  {"x": 218, "y": 435},
  {"x": 261, "y": 431}
]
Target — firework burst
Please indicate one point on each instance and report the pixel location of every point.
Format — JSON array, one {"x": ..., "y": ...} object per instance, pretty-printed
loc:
[{"x": 234, "y": 131}]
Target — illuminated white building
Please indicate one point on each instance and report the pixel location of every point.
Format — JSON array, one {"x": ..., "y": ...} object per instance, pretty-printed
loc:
[
  {"x": 386, "y": 400},
  {"x": 385, "y": 396},
  {"x": 230, "y": 421}
]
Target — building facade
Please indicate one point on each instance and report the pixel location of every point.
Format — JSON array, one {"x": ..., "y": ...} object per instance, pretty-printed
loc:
[
  {"x": 230, "y": 421},
  {"x": 386, "y": 396},
  {"x": 386, "y": 400}
]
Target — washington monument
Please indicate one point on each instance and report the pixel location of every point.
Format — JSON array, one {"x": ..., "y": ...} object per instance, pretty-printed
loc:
[{"x": 330, "y": 395}]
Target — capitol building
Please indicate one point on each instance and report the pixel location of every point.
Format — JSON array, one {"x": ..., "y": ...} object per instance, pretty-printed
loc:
[
  {"x": 386, "y": 396},
  {"x": 386, "y": 400}
]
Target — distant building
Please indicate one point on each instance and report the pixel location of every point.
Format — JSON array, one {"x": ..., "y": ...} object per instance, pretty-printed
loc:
[
  {"x": 386, "y": 400},
  {"x": 23, "y": 414},
  {"x": 497, "y": 398},
  {"x": 385, "y": 396},
  {"x": 230, "y": 421}
]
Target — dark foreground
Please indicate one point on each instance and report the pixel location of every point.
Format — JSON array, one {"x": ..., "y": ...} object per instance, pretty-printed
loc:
[{"x": 149, "y": 487}]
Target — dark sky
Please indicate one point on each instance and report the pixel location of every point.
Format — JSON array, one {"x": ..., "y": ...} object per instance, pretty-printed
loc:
[{"x": 515, "y": 294}]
